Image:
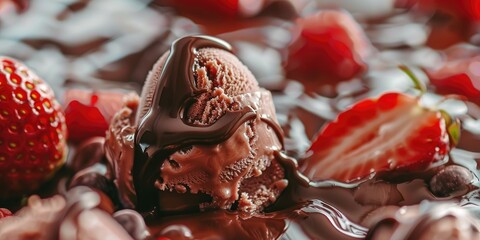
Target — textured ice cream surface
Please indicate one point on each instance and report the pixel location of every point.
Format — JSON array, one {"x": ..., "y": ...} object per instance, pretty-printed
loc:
[
  {"x": 217, "y": 74},
  {"x": 219, "y": 169},
  {"x": 119, "y": 150},
  {"x": 238, "y": 172}
]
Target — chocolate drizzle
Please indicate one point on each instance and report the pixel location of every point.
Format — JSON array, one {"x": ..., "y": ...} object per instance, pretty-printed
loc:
[{"x": 164, "y": 128}]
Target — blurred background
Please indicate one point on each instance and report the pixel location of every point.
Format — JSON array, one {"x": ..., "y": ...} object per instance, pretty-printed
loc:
[{"x": 104, "y": 42}]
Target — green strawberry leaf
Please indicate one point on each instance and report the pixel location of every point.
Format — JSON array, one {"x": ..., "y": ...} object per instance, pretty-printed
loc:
[{"x": 417, "y": 83}]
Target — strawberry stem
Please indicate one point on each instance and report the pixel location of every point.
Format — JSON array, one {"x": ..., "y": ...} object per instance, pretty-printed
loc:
[
  {"x": 418, "y": 84},
  {"x": 446, "y": 116},
  {"x": 454, "y": 132},
  {"x": 453, "y": 128}
]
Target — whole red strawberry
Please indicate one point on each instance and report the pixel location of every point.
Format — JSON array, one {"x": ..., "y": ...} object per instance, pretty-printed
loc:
[
  {"x": 390, "y": 133},
  {"x": 327, "y": 47},
  {"x": 32, "y": 130}
]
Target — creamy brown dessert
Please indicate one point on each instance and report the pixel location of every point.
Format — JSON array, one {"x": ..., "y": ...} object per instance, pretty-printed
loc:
[{"x": 204, "y": 135}]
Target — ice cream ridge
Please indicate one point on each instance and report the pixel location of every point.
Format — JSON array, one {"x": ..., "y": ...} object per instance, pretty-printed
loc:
[{"x": 204, "y": 135}]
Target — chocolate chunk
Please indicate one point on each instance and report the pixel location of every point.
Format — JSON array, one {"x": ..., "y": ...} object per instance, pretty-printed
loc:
[
  {"x": 94, "y": 177},
  {"x": 133, "y": 222},
  {"x": 451, "y": 181},
  {"x": 87, "y": 154}
]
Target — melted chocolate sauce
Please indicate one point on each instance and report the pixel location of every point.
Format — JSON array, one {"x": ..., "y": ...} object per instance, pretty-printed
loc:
[
  {"x": 308, "y": 209},
  {"x": 294, "y": 216}
]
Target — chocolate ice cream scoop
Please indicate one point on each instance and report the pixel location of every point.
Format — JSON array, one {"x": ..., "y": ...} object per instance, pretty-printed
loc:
[{"x": 205, "y": 134}]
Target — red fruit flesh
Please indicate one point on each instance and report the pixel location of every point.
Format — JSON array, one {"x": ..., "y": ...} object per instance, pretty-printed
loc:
[
  {"x": 88, "y": 113},
  {"x": 84, "y": 122},
  {"x": 330, "y": 47},
  {"x": 5, "y": 213},
  {"x": 377, "y": 135},
  {"x": 32, "y": 130},
  {"x": 458, "y": 76}
]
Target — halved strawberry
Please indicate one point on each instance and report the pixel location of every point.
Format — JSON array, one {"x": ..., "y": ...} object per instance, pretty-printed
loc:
[
  {"x": 378, "y": 135},
  {"x": 329, "y": 46},
  {"x": 88, "y": 113}
]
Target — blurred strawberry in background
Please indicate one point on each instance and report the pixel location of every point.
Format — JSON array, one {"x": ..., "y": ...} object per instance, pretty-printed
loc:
[
  {"x": 463, "y": 9},
  {"x": 7, "y": 6},
  {"x": 459, "y": 73},
  {"x": 452, "y": 22},
  {"x": 229, "y": 9},
  {"x": 327, "y": 47}
]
